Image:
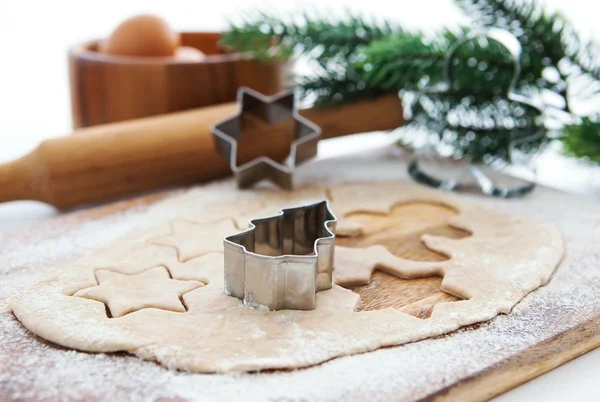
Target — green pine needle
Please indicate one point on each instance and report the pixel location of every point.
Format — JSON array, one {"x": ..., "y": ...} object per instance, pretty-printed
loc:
[
  {"x": 267, "y": 37},
  {"x": 582, "y": 140},
  {"x": 356, "y": 57}
]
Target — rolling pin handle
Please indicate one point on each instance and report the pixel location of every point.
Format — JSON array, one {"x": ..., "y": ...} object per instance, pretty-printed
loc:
[{"x": 19, "y": 181}]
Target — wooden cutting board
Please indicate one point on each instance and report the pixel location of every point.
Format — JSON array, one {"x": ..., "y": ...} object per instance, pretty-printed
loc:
[{"x": 565, "y": 333}]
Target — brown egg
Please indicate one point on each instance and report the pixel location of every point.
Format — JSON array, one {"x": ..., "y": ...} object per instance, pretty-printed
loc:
[
  {"x": 142, "y": 35},
  {"x": 188, "y": 53}
]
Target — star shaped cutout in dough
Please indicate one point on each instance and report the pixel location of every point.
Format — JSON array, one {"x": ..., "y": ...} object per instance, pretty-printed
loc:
[
  {"x": 126, "y": 293},
  {"x": 192, "y": 239}
]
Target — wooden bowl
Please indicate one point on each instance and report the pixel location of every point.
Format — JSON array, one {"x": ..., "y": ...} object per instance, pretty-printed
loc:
[{"x": 106, "y": 88}]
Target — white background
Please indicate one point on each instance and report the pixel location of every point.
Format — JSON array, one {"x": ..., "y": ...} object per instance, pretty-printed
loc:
[{"x": 34, "y": 100}]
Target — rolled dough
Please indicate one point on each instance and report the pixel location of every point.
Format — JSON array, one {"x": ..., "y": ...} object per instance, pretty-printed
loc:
[{"x": 503, "y": 260}]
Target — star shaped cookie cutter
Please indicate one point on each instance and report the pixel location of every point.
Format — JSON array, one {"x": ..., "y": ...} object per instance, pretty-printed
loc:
[
  {"x": 283, "y": 260},
  {"x": 272, "y": 110}
]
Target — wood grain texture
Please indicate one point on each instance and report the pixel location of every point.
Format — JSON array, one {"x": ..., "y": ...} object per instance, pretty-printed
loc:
[
  {"x": 107, "y": 88},
  {"x": 529, "y": 364},
  {"x": 400, "y": 232},
  {"x": 108, "y": 161}
]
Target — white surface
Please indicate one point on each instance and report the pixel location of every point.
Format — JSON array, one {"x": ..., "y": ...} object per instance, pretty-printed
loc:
[{"x": 34, "y": 102}]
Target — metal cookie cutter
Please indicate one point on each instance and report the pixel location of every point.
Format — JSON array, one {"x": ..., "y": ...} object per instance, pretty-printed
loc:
[
  {"x": 519, "y": 137},
  {"x": 283, "y": 260},
  {"x": 271, "y": 110}
]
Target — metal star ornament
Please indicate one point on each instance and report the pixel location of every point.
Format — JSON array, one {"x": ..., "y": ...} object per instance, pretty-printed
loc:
[{"x": 271, "y": 110}]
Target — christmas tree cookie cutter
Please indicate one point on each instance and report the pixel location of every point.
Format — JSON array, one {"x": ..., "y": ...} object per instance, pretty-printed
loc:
[
  {"x": 271, "y": 110},
  {"x": 283, "y": 260},
  {"x": 517, "y": 138}
]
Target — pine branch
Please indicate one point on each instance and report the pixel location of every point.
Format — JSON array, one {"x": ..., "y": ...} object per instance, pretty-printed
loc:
[
  {"x": 357, "y": 57},
  {"x": 409, "y": 60},
  {"x": 332, "y": 89},
  {"x": 401, "y": 62},
  {"x": 476, "y": 126},
  {"x": 547, "y": 40},
  {"x": 582, "y": 140},
  {"x": 586, "y": 57},
  {"x": 257, "y": 37},
  {"x": 263, "y": 35},
  {"x": 333, "y": 46},
  {"x": 544, "y": 37}
]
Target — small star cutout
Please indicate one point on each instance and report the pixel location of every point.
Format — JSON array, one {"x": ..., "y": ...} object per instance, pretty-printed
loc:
[
  {"x": 124, "y": 293},
  {"x": 192, "y": 239}
]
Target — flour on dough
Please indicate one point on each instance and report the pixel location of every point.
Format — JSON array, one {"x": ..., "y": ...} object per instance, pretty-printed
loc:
[
  {"x": 503, "y": 260},
  {"x": 192, "y": 239}
]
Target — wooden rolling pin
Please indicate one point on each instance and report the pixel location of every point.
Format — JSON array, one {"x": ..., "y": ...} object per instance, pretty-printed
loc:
[{"x": 109, "y": 161}]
